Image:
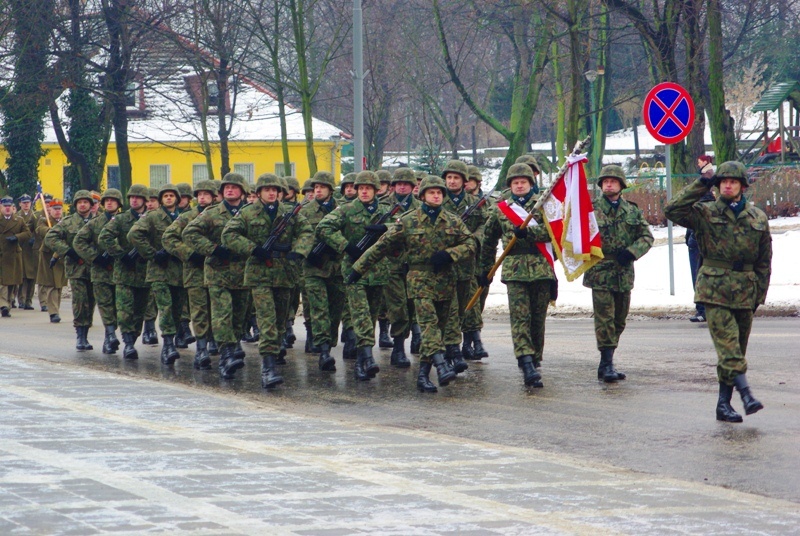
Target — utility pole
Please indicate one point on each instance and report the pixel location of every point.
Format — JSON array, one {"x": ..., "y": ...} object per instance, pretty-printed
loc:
[{"x": 358, "y": 88}]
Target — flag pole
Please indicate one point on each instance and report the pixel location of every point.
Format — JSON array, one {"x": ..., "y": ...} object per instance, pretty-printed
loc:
[{"x": 579, "y": 145}]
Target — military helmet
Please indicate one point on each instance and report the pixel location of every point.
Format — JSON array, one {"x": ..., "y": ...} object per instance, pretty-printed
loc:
[
  {"x": 138, "y": 190},
  {"x": 612, "y": 171},
  {"x": 404, "y": 174},
  {"x": 307, "y": 187},
  {"x": 530, "y": 160},
  {"x": 456, "y": 166},
  {"x": 384, "y": 176},
  {"x": 169, "y": 188},
  {"x": 284, "y": 184},
  {"x": 152, "y": 193},
  {"x": 185, "y": 189},
  {"x": 206, "y": 186},
  {"x": 520, "y": 170},
  {"x": 350, "y": 178},
  {"x": 111, "y": 193},
  {"x": 81, "y": 194},
  {"x": 218, "y": 184},
  {"x": 323, "y": 177},
  {"x": 293, "y": 184},
  {"x": 419, "y": 175},
  {"x": 236, "y": 179},
  {"x": 431, "y": 181},
  {"x": 369, "y": 178},
  {"x": 474, "y": 174},
  {"x": 731, "y": 170},
  {"x": 268, "y": 179}
]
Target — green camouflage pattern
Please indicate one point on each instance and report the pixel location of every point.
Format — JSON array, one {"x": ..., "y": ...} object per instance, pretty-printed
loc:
[
  {"x": 465, "y": 269},
  {"x": 435, "y": 319},
  {"x": 204, "y": 234},
  {"x": 86, "y": 245},
  {"x": 272, "y": 309},
  {"x": 151, "y": 311},
  {"x": 399, "y": 308},
  {"x": 326, "y": 301},
  {"x": 105, "y": 297},
  {"x": 113, "y": 238},
  {"x": 59, "y": 240},
  {"x": 228, "y": 313},
  {"x": 610, "y": 316},
  {"x": 527, "y": 307},
  {"x": 730, "y": 331},
  {"x": 314, "y": 212},
  {"x": 169, "y": 300},
  {"x": 363, "y": 303},
  {"x": 131, "y": 304},
  {"x": 173, "y": 242},
  {"x": 199, "y": 310},
  {"x": 146, "y": 237},
  {"x": 82, "y": 302}
]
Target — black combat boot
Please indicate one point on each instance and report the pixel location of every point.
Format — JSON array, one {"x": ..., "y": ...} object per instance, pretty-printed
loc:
[
  {"x": 202, "y": 361},
  {"x": 455, "y": 359},
  {"x": 606, "y": 371},
  {"x": 531, "y": 376},
  {"x": 311, "y": 348},
  {"x": 113, "y": 339},
  {"x": 4, "y": 312},
  {"x": 180, "y": 337},
  {"x": 327, "y": 362},
  {"x": 55, "y": 318},
  {"x": 466, "y": 347},
  {"x": 424, "y": 383},
  {"x": 399, "y": 358},
  {"x": 149, "y": 335},
  {"x": 445, "y": 373},
  {"x": 238, "y": 352},
  {"x": 281, "y": 359},
  {"x": 725, "y": 411},
  {"x": 228, "y": 363},
  {"x": 108, "y": 342},
  {"x": 82, "y": 341},
  {"x": 188, "y": 336},
  {"x": 129, "y": 352},
  {"x": 213, "y": 349},
  {"x": 350, "y": 341},
  {"x": 384, "y": 341},
  {"x": 168, "y": 351},
  {"x": 416, "y": 338},
  {"x": 751, "y": 405},
  {"x": 290, "y": 336},
  {"x": 369, "y": 364},
  {"x": 477, "y": 346},
  {"x": 269, "y": 374},
  {"x": 360, "y": 370}
]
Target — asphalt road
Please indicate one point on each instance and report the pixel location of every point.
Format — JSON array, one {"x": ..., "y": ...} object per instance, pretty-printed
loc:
[{"x": 660, "y": 421}]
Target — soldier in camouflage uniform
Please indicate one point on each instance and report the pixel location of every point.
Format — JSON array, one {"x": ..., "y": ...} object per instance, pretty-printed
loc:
[
  {"x": 270, "y": 273},
  {"x": 342, "y": 229},
  {"x": 626, "y": 237},
  {"x": 13, "y": 232},
  {"x": 51, "y": 275},
  {"x": 29, "y": 255},
  {"x": 307, "y": 190},
  {"x": 130, "y": 270},
  {"x": 527, "y": 274},
  {"x": 530, "y": 161},
  {"x": 164, "y": 271},
  {"x": 224, "y": 273},
  {"x": 184, "y": 337},
  {"x": 384, "y": 341},
  {"x": 193, "y": 265},
  {"x": 346, "y": 194},
  {"x": 473, "y": 187},
  {"x": 347, "y": 188},
  {"x": 102, "y": 266},
  {"x": 151, "y": 312},
  {"x": 59, "y": 239},
  {"x": 291, "y": 200},
  {"x": 736, "y": 247},
  {"x": 433, "y": 240}
]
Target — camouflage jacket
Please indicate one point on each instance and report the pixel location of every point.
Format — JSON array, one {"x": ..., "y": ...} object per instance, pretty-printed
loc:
[
  {"x": 85, "y": 244},
  {"x": 420, "y": 239},
  {"x": 621, "y": 228},
  {"x": 397, "y": 259},
  {"x": 251, "y": 228},
  {"x": 314, "y": 212},
  {"x": 46, "y": 276},
  {"x": 203, "y": 234},
  {"x": 172, "y": 240},
  {"x": 742, "y": 243},
  {"x": 113, "y": 238},
  {"x": 145, "y": 236},
  {"x": 59, "y": 239},
  {"x": 524, "y": 262},
  {"x": 466, "y": 268},
  {"x": 344, "y": 226}
]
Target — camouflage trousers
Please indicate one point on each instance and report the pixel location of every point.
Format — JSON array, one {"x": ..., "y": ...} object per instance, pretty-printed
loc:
[
  {"x": 82, "y": 302},
  {"x": 326, "y": 301},
  {"x": 272, "y": 308},
  {"x": 400, "y": 309},
  {"x": 169, "y": 300},
  {"x": 50, "y": 297},
  {"x": 228, "y": 313},
  {"x": 610, "y": 315},
  {"x": 467, "y": 320},
  {"x": 436, "y": 320},
  {"x": 104, "y": 293},
  {"x": 25, "y": 292},
  {"x": 347, "y": 321},
  {"x": 200, "y": 311},
  {"x": 131, "y": 305},
  {"x": 186, "y": 314},
  {"x": 527, "y": 307},
  {"x": 151, "y": 311},
  {"x": 363, "y": 302},
  {"x": 730, "y": 331},
  {"x": 383, "y": 309}
]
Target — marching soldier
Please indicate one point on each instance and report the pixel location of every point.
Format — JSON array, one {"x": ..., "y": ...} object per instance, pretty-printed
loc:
[
  {"x": 132, "y": 291},
  {"x": 102, "y": 266},
  {"x": 527, "y": 274},
  {"x": 433, "y": 241},
  {"x": 291, "y": 199},
  {"x": 184, "y": 337},
  {"x": 347, "y": 188},
  {"x": 736, "y": 246},
  {"x": 473, "y": 186},
  {"x": 626, "y": 237},
  {"x": 51, "y": 274},
  {"x": 307, "y": 190},
  {"x": 224, "y": 273},
  {"x": 530, "y": 161},
  {"x": 59, "y": 239},
  {"x": 384, "y": 341},
  {"x": 342, "y": 229},
  {"x": 149, "y": 336},
  {"x": 29, "y": 255},
  {"x": 270, "y": 272},
  {"x": 13, "y": 232}
]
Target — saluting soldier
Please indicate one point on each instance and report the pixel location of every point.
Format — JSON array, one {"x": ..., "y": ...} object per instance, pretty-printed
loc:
[
  {"x": 433, "y": 241},
  {"x": 30, "y": 255},
  {"x": 130, "y": 269},
  {"x": 13, "y": 232},
  {"x": 51, "y": 275},
  {"x": 626, "y": 237},
  {"x": 102, "y": 266},
  {"x": 736, "y": 246},
  {"x": 59, "y": 239}
]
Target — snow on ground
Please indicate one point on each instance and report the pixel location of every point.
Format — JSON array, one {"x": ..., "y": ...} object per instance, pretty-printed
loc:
[{"x": 651, "y": 293}]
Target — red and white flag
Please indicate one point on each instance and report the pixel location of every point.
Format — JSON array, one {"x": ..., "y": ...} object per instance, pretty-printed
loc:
[{"x": 517, "y": 215}]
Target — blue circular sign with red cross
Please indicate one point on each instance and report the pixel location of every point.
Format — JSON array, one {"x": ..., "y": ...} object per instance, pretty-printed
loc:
[{"x": 668, "y": 112}]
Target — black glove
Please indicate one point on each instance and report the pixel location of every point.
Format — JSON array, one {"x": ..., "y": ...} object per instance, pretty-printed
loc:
[
  {"x": 222, "y": 253},
  {"x": 553, "y": 289},
  {"x": 520, "y": 233},
  {"x": 72, "y": 254},
  {"x": 708, "y": 182},
  {"x": 354, "y": 252},
  {"x": 378, "y": 228},
  {"x": 31, "y": 240},
  {"x": 197, "y": 260},
  {"x": 281, "y": 248},
  {"x": 161, "y": 257},
  {"x": 294, "y": 256},
  {"x": 625, "y": 257},
  {"x": 440, "y": 260},
  {"x": 130, "y": 258},
  {"x": 53, "y": 261},
  {"x": 12, "y": 239},
  {"x": 317, "y": 261},
  {"x": 102, "y": 260},
  {"x": 260, "y": 252},
  {"x": 327, "y": 250},
  {"x": 353, "y": 277},
  {"x": 483, "y": 280}
]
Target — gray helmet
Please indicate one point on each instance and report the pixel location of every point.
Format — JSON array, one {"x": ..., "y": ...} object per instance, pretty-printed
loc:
[
  {"x": 731, "y": 170},
  {"x": 268, "y": 179},
  {"x": 612, "y": 171},
  {"x": 152, "y": 193},
  {"x": 82, "y": 194},
  {"x": 111, "y": 193},
  {"x": 218, "y": 184},
  {"x": 404, "y": 174},
  {"x": 519, "y": 170},
  {"x": 456, "y": 166},
  {"x": 474, "y": 173},
  {"x": 530, "y": 160},
  {"x": 293, "y": 184},
  {"x": 284, "y": 184},
  {"x": 384, "y": 176},
  {"x": 350, "y": 178},
  {"x": 307, "y": 187},
  {"x": 138, "y": 190},
  {"x": 323, "y": 177},
  {"x": 206, "y": 186},
  {"x": 419, "y": 175},
  {"x": 236, "y": 179},
  {"x": 169, "y": 188},
  {"x": 185, "y": 189},
  {"x": 431, "y": 181},
  {"x": 367, "y": 177}
]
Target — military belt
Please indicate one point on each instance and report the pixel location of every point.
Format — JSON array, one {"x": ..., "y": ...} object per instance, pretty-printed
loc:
[
  {"x": 522, "y": 251},
  {"x": 737, "y": 266}
]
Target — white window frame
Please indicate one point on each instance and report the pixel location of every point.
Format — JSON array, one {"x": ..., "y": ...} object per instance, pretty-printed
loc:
[
  {"x": 279, "y": 171},
  {"x": 199, "y": 173},
  {"x": 156, "y": 168},
  {"x": 246, "y": 170}
]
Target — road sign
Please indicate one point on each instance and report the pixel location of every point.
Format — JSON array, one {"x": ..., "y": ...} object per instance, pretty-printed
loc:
[{"x": 668, "y": 112}]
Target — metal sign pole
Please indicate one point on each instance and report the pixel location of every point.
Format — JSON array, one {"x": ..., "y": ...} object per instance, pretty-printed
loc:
[{"x": 668, "y": 155}]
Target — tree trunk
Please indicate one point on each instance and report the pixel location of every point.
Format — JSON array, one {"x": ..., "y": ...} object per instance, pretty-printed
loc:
[
  {"x": 223, "y": 72},
  {"x": 722, "y": 128}
]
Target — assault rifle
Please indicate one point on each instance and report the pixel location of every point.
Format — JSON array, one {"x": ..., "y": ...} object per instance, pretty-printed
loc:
[
  {"x": 371, "y": 237},
  {"x": 280, "y": 227},
  {"x": 482, "y": 201}
]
